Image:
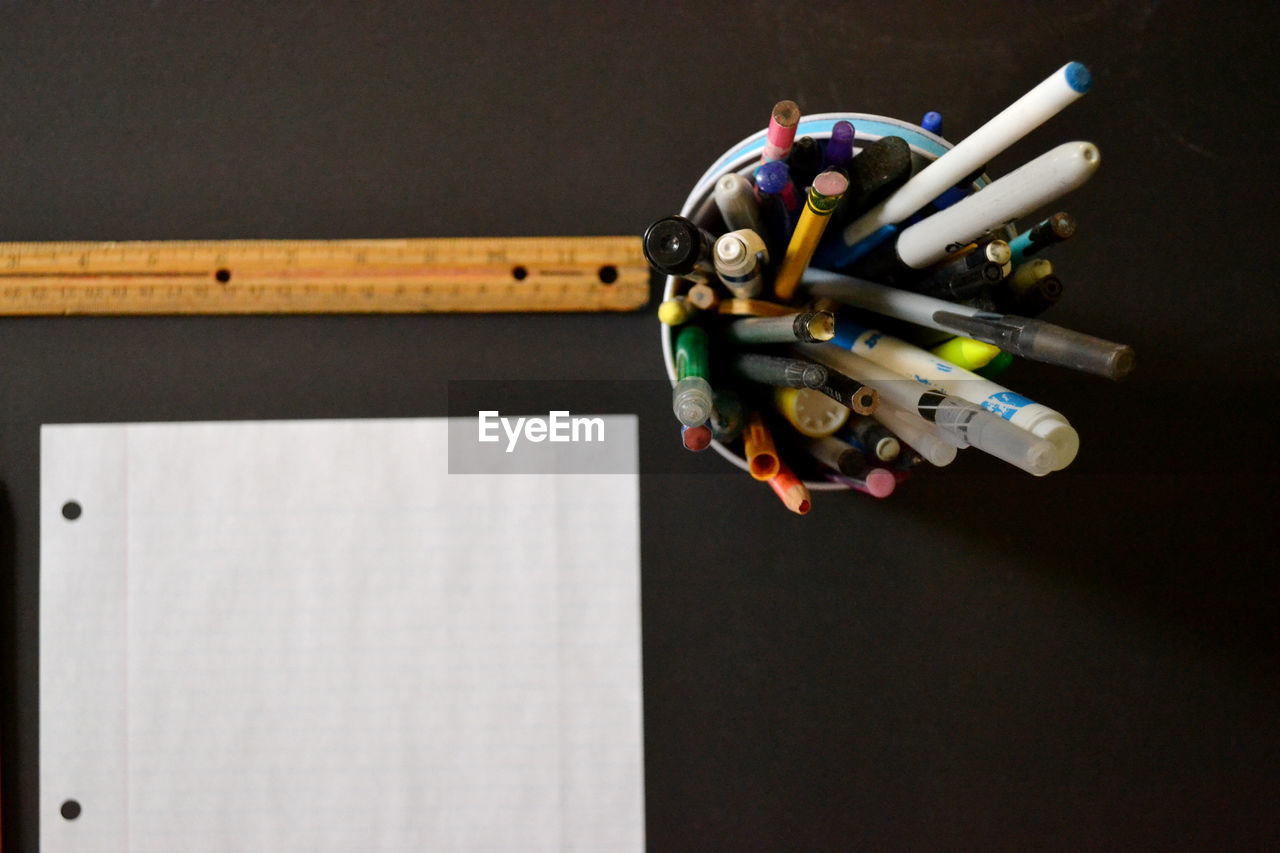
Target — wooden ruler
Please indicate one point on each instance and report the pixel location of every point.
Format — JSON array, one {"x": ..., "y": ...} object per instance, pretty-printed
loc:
[{"x": 324, "y": 276}]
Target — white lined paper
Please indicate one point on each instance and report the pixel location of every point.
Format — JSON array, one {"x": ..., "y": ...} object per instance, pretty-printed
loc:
[{"x": 308, "y": 636}]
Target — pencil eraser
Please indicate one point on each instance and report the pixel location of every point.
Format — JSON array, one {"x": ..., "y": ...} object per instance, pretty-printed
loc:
[
  {"x": 880, "y": 483},
  {"x": 831, "y": 182}
]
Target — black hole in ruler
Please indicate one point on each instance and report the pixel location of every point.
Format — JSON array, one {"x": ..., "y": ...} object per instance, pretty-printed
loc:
[
  {"x": 608, "y": 274},
  {"x": 70, "y": 810},
  {"x": 223, "y": 276},
  {"x": 71, "y": 511},
  {"x": 519, "y": 273}
]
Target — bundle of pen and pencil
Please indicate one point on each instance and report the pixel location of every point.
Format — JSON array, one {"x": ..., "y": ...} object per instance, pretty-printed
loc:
[{"x": 840, "y": 312}]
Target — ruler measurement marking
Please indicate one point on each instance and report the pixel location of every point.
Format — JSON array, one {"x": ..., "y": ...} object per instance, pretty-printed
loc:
[
  {"x": 324, "y": 276},
  {"x": 52, "y": 274}
]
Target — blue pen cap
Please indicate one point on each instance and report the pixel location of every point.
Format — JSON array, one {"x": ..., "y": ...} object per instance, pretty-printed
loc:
[
  {"x": 773, "y": 177},
  {"x": 1078, "y": 77}
]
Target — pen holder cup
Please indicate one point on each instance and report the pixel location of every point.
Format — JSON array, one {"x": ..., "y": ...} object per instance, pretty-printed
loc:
[{"x": 744, "y": 157}]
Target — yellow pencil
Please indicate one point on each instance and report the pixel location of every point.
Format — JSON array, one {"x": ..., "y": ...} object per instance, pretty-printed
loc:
[{"x": 827, "y": 190}]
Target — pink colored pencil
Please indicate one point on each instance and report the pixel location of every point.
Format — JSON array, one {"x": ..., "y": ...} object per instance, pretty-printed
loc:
[{"x": 782, "y": 131}]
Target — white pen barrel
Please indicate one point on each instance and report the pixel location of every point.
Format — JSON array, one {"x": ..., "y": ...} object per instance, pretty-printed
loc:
[
  {"x": 892, "y": 387},
  {"x": 961, "y": 423},
  {"x": 1032, "y": 185},
  {"x": 920, "y": 435},
  {"x": 908, "y": 360},
  {"x": 1016, "y": 120},
  {"x": 737, "y": 204},
  {"x": 882, "y": 299}
]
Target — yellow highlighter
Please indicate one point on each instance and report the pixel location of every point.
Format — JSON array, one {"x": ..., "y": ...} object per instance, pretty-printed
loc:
[{"x": 966, "y": 352}]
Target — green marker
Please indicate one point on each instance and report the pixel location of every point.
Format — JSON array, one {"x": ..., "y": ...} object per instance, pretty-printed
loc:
[{"x": 691, "y": 398}]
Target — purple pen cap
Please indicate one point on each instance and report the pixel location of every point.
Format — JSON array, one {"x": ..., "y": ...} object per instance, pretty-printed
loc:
[
  {"x": 840, "y": 145},
  {"x": 744, "y": 159}
]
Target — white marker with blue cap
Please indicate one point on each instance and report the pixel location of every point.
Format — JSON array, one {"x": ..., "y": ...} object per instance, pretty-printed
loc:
[{"x": 1018, "y": 119}]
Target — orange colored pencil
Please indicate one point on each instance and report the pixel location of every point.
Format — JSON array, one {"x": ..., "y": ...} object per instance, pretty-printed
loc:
[{"x": 788, "y": 487}]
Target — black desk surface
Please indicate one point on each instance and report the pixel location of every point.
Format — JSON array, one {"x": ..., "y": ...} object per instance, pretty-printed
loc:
[{"x": 985, "y": 659}]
